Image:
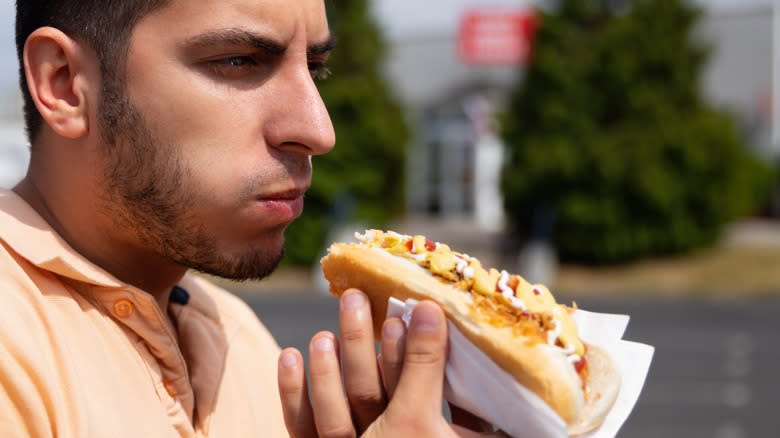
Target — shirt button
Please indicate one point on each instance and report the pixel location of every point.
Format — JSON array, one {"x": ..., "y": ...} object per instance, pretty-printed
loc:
[
  {"x": 123, "y": 308},
  {"x": 170, "y": 387}
]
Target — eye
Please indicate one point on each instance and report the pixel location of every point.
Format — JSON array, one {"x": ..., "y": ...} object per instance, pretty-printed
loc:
[
  {"x": 234, "y": 67},
  {"x": 318, "y": 70}
]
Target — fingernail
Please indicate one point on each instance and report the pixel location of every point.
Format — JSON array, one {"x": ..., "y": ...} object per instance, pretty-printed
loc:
[
  {"x": 424, "y": 319},
  {"x": 393, "y": 329},
  {"x": 289, "y": 360},
  {"x": 323, "y": 344},
  {"x": 353, "y": 301}
]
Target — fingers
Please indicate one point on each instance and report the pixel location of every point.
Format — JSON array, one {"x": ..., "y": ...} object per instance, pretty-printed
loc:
[
  {"x": 421, "y": 380},
  {"x": 331, "y": 412},
  {"x": 392, "y": 353},
  {"x": 294, "y": 395},
  {"x": 362, "y": 380}
]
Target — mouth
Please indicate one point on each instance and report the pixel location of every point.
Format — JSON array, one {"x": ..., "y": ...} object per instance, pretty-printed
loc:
[{"x": 284, "y": 206}]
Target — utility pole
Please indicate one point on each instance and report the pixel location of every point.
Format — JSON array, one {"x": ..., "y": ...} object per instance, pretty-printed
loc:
[{"x": 775, "y": 146}]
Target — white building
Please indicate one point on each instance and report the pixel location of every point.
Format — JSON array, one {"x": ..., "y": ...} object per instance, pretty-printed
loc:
[{"x": 14, "y": 149}]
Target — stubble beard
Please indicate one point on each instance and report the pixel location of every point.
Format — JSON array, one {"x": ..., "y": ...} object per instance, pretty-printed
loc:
[{"x": 148, "y": 191}]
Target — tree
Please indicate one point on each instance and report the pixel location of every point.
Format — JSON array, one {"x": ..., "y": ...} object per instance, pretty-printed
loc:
[
  {"x": 362, "y": 178},
  {"x": 609, "y": 132}
]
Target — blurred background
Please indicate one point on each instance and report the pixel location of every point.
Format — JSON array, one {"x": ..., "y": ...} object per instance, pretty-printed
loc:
[{"x": 624, "y": 152}]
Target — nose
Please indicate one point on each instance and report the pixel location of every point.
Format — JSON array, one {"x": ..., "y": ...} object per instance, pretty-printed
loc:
[{"x": 300, "y": 120}]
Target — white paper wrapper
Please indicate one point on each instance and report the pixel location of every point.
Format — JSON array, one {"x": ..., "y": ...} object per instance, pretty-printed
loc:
[{"x": 474, "y": 383}]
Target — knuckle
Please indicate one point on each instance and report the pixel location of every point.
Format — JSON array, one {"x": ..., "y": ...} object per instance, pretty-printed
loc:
[
  {"x": 354, "y": 334},
  {"x": 422, "y": 357},
  {"x": 322, "y": 373},
  {"x": 360, "y": 395}
]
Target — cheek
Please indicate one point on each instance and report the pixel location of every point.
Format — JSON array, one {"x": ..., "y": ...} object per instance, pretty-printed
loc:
[
  {"x": 217, "y": 156},
  {"x": 215, "y": 181},
  {"x": 225, "y": 186},
  {"x": 200, "y": 115}
]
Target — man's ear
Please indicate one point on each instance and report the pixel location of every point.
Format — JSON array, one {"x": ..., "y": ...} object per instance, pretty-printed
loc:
[{"x": 59, "y": 72}]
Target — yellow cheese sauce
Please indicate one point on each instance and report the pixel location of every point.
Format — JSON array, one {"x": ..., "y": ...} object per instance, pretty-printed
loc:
[{"x": 511, "y": 300}]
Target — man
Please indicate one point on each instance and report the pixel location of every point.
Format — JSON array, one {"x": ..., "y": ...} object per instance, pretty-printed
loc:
[{"x": 168, "y": 135}]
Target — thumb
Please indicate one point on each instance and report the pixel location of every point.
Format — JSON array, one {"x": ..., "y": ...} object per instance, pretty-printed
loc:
[{"x": 420, "y": 384}]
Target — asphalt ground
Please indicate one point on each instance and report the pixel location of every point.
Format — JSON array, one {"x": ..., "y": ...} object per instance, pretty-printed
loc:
[{"x": 715, "y": 373}]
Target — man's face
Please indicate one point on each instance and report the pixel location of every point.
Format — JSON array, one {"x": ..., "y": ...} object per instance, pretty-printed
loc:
[{"x": 208, "y": 141}]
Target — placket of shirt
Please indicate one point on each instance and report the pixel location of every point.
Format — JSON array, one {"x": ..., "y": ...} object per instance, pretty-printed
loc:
[{"x": 139, "y": 312}]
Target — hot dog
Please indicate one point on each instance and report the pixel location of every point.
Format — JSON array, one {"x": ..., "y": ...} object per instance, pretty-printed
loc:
[{"x": 518, "y": 325}]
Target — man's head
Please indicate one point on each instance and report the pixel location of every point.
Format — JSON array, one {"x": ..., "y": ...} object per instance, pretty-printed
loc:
[
  {"x": 195, "y": 122},
  {"x": 103, "y": 25}
]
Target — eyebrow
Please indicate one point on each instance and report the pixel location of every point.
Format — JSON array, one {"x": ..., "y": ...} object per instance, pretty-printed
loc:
[
  {"x": 235, "y": 37},
  {"x": 241, "y": 37},
  {"x": 323, "y": 47}
]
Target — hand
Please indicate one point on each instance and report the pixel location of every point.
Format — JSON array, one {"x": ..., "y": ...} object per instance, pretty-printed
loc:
[{"x": 398, "y": 393}]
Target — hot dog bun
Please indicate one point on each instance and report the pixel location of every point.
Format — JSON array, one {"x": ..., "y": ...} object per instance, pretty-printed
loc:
[{"x": 519, "y": 347}]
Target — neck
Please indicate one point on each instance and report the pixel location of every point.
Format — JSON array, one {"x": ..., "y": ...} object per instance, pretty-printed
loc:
[{"x": 73, "y": 218}]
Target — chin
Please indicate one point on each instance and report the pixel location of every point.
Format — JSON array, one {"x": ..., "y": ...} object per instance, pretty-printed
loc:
[
  {"x": 253, "y": 266},
  {"x": 250, "y": 262}
]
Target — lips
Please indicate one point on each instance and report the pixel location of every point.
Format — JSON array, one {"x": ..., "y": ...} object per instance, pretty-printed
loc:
[{"x": 284, "y": 206}]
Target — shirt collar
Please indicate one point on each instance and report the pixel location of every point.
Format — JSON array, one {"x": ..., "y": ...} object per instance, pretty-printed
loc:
[{"x": 30, "y": 236}]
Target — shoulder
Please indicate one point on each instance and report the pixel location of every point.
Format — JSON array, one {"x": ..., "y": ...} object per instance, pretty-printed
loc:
[
  {"x": 20, "y": 299},
  {"x": 26, "y": 341}
]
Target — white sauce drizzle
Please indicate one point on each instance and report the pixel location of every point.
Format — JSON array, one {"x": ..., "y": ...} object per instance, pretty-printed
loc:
[
  {"x": 503, "y": 278},
  {"x": 553, "y": 335},
  {"x": 518, "y": 303},
  {"x": 460, "y": 264},
  {"x": 418, "y": 257},
  {"x": 508, "y": 292}
]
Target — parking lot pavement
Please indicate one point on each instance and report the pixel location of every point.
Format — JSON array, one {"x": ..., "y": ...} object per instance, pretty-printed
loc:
[{"x": 714, "y": 373}]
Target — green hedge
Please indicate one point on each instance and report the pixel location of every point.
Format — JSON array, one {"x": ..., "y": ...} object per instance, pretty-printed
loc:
[{"x": 609, "y": 132}]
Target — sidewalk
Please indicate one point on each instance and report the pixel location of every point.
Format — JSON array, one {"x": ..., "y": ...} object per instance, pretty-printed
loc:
[{"x": 746, "y": 262}]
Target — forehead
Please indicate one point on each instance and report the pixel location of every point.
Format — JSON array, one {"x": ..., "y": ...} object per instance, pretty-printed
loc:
[{"x": 281, "y": 20}]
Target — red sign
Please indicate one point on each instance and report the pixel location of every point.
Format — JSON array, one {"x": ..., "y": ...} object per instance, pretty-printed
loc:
[{"x": 496, "y": 37}]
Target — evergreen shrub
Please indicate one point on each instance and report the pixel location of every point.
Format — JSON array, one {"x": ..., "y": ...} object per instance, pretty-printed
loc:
[{"x": 609, "y": 133}]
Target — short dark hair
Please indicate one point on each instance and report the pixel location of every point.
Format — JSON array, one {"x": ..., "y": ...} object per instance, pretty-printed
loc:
[{"x": 104, "y": 25}]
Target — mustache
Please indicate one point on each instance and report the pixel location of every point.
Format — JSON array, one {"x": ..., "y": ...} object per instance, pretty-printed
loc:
[{"x": 289, "y": 173}]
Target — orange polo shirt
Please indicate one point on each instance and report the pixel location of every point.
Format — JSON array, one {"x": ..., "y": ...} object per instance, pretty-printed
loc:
[{"x": 84, "y": 355}]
